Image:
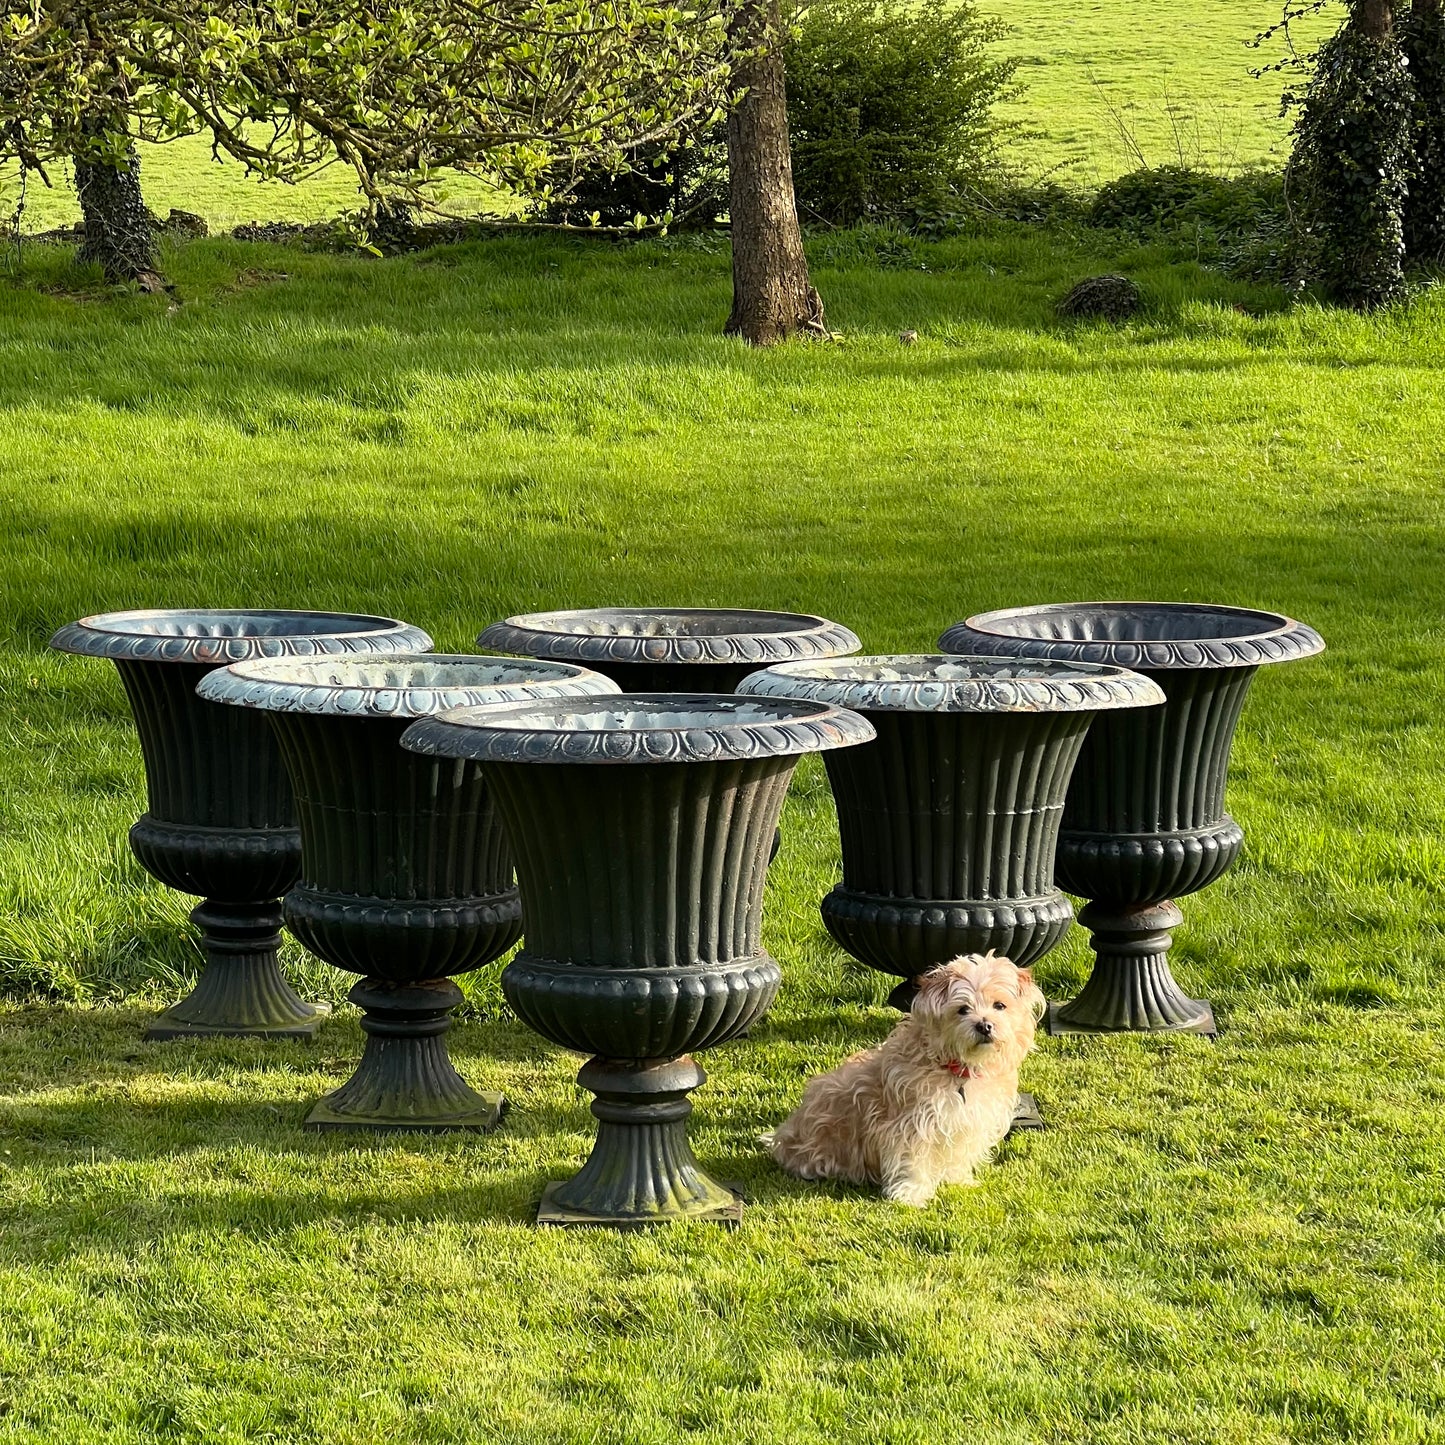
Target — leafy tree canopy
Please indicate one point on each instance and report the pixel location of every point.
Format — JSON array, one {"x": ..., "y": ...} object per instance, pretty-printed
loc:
[{"x": 523, "y": 93}]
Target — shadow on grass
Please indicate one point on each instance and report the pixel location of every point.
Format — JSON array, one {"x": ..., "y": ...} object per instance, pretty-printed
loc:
[
  {"x": 363, "y": 335},
  {"x": 223, "y": 1102},
  {"x": 847, "y": 1028},
  {"x": 95, "y": 1044}
]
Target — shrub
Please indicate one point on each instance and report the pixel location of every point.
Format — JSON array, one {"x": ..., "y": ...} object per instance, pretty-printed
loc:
[
  {"x": 890, "y": 109},
  {"x": 890, "y": 105},
  {"x": 1422, "y": 36},
  {"x": 690, "y": 184},
  {"x": 1175, "y": 203},
  {"x": 1045, "y": 203},
  {"x": 1350, "y": 169},
  {"x": 1239, "y": 224}
]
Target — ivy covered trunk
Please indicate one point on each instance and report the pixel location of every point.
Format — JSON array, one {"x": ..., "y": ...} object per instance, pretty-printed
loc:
[
  {"x": 1422, "y": 34},
  {"x": 773, "y": 297},
  {"x": 1350, "y": 171},
  {"x": 1375, "y": 18},
  {"x": 119, "y": 234}
]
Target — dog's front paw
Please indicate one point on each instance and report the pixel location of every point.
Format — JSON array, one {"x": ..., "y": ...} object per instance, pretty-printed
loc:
[{"x": 911, "y": 1192}]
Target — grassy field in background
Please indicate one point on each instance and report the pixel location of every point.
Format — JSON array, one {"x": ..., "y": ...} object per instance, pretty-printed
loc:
[
  {"x": 1107, "y": 87},
  {"x": 1102, "y": 86},
  {"x": 1242, "y": 1242}
]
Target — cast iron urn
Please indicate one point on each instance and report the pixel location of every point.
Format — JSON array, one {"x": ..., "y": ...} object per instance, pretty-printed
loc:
[
  {"x": 1144, "y": 821},
  {"x": 406, "y": 876},
  {"x": 683, "y": 649},
  {"x": 221, "y": 820},
  {"x": 949, "y": 820},
  {"x": 641, "y": 826}
]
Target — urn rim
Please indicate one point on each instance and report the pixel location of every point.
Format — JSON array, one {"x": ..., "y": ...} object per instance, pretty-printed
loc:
[
  {"x": 697, "y": 635},
  {"x": 630, "y": 728},
  {"x": 221, "y": 635},
  {"x": 395, "y": 685},
  {"x": 932, "y": 682},
  {"x": 1146, "y": 635}
]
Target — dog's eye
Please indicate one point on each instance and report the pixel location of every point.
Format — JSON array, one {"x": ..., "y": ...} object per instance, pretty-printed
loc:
[
  {"x": 999, "y": 1003},
  {"x": 963, "y": 1010}
]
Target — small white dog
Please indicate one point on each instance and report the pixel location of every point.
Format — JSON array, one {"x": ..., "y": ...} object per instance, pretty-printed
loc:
[{"x": 934, "y": 1099}]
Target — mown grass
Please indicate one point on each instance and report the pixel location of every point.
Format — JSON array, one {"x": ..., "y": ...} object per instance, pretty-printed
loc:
[
  {"x": 1227, "y": 1243},
  {"x": 1100, "y": 89}
]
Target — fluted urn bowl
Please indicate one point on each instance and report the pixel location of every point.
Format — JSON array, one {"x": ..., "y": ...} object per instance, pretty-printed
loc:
[
  {"x": 406, "y": 876},
  {"x": 1144, "y": 820},
  {"x": 683, "y": 649},
  {"x": 949, "y": 820},
  {"x": 221, "y": 820},
  {"x": 641, "y": 826}
]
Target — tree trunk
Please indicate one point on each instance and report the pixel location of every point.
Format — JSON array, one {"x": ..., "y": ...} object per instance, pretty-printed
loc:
[
  {"x": 118, "y": 230},
  {"x": 1376, "y": 18},
  {"x": 1354, "y": 154},
  {"x": 773, "y": 297}
]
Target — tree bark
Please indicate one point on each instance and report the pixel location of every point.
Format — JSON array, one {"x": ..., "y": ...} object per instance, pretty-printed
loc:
[
  {"x": 1376, "y": 18},
  {"x": 773, "y": 297},
  {"x": 118, "y": 230}
]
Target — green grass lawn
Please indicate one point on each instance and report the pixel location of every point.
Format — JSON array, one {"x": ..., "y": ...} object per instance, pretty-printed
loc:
[
  {"x": 1241, "y": 1242},
  {"x": 1101, "y": 87}
]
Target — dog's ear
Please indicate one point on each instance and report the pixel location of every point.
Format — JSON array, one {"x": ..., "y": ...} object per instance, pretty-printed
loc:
[
  {"x": 1032, "y": 995},
  {"x": 933, "y": 988}
]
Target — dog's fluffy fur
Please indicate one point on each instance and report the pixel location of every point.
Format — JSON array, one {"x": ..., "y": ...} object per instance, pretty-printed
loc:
[{"x": 934, "y": 1099}]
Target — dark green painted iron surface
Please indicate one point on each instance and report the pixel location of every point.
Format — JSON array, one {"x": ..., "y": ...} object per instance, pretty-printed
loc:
[
  {"x": 221, "y": 821},
  {"x": 641, "y": 828},
  {"x": 1145, "y": 820}
]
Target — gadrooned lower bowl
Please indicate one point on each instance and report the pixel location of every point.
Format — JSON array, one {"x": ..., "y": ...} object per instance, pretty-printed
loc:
[
  {"x": 639, "y": 728},
  {"x": 1147, "y": 635},
  {"x": 932, "y": 683},
  {"x": 396, "y": 686},
  {"x": 216, "y": 637},
  {"x": 670, "y": 636}
]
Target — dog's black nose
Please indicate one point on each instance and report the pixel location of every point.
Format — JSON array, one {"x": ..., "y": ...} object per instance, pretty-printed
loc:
[{"x": 984, "y": 1027}]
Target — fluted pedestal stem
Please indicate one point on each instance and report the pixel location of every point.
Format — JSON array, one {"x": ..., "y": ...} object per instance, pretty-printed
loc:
[
  {"x": 241, "y": 990},
  {"x": 406, "y": 1080},
  {"x": 641, "y": 1170},
  {"x": 1131, "y": 989}
]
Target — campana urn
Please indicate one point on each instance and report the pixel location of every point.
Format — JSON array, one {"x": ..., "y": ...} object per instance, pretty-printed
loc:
[
  {"x": 686, "y": 649},
  {"x": 949, "y": 820},
  {"x": 1144, "y": 822},
  {"x": 406, "y": 876},
  {"x": 641, "y": 826},
  {"x": 221, "y": 821}
]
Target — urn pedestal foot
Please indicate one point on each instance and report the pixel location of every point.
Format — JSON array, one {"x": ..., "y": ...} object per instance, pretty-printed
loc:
[
  {"x": 241, "y": 991},
  {"x": 1131, "y": 989},
  {"x": 1027, "y": 1114},
  {"x": 641, "y": 1170},
  {"x": 406, "y": 1081}
]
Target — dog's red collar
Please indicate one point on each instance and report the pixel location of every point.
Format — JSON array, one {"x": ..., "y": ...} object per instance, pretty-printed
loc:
[{"x": 959, "y": 1071}]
